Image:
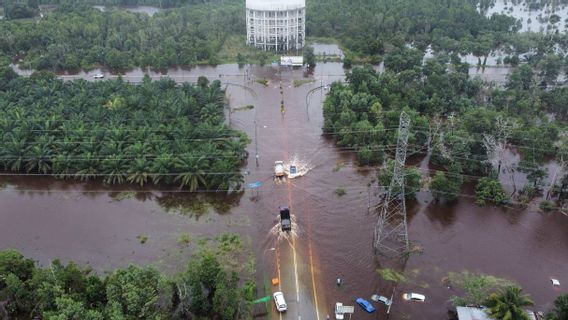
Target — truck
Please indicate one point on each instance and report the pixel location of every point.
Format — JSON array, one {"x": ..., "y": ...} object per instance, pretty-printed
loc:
[{"x": 285, "y": 221}]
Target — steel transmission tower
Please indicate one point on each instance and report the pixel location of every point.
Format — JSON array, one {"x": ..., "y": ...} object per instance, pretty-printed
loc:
[{"x": 391, "y": 232}]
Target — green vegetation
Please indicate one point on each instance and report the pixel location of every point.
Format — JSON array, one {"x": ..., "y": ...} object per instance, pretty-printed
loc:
[
  {"x": 299, "y": 82},
  {"x": 209, "y": 288},
  {"x": 508, "y": 304},
  {"x": 476, "y": 287},
  {"x": 184, "y": 239},
  {"x": 142, "y": 238},
  {"x": 340, "y": 191},
  {"x": 446, "y": 186},
  {"x": 490, "y": 190},
  {"x": 412, "y": 178},
  {"x": 153, "y": 133},
  {"x": 467, "y": 124},
  {"x": 119, "y": 39},
  {"x": 392, "y": 275},
  {"x": 263, "y": 82},
  {"x": 560, "y": 309}
]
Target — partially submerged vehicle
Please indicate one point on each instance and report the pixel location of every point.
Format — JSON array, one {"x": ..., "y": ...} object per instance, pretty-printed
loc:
[
  {"x": 382, "y": 299},
  {"x": 285, "y": 220},
  {"x": 411, "y": 296},
  {"x": 339, "y": 315},
  {"x": 279, "y": 169},
  {"x": 366, "y": 305}
]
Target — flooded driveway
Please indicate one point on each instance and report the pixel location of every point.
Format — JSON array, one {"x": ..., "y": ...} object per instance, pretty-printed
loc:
[{"x": 46, "y": 219}]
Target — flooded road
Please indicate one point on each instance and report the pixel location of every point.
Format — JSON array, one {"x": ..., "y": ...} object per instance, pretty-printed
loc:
[{"x": 46, "y": 219}]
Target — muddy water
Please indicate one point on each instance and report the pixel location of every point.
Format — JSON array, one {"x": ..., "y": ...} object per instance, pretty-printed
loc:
[
  {"x": 532, "y": 20},
  {"x": 90, "y": 223},
  {"x": 136, "y": 9}
]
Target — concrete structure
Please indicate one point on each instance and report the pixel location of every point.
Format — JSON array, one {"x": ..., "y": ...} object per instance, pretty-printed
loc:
[{"x": 276, "y": 25}]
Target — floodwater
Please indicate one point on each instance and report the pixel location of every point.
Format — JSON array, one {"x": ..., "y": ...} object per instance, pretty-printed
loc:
[
  {"x": 333, "y": 233},
  {"x": 533, "y": 20}
]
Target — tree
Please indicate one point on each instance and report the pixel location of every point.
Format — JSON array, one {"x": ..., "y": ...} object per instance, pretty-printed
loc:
[
  {"x": 138, "y": 292},
  {"x": 490, "y": 190},
  {"x": 560, "y": 309},
  {"x": 476, "y": 287},
  {"x": 508, "y": 304},
  {"x": 309, "y": 57},
  {"x": 412, "y": 178},
  {"x": 444, "y": 188}
]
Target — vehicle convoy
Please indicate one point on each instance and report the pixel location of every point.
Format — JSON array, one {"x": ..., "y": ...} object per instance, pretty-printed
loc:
[
  {"x": 279, "y": 169},
  {"x": 280, "y": 302},
  {"x": 285, "y": 221}
]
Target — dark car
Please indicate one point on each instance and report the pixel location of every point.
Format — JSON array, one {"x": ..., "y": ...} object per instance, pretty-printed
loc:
[
  {"x": 366, "y": 305},
  {"x": 285, "y": 221}
]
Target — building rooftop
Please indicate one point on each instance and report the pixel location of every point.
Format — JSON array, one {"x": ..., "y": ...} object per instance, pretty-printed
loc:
[
  {"x": 274, "y": 5},
  {"x": 468, "y": 313}
]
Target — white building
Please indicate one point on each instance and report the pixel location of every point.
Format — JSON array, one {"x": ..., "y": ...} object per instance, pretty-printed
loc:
[{"x": 276, "y": 25}]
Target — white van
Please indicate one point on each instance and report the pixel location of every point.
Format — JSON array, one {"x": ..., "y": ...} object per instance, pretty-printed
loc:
[{"x": 280, "y": 302}]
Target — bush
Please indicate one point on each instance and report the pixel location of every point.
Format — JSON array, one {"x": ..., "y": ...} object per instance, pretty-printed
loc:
[
  {"x": 547, "y": 205},
  {"x": 490, "y": 190}
]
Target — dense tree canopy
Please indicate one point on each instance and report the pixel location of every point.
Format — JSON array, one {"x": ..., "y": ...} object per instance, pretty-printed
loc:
[
  {"x": 209, "y": 288},
  {"x": 151, "y": 133}
]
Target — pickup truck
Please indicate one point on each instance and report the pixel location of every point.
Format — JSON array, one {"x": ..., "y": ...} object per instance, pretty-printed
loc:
[
  {"x": 285, "y": 221},
  {"x": 279, "y": 169}
]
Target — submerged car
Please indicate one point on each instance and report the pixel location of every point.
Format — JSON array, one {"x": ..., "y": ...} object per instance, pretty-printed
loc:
[
  {"x": 382, "y": 299},
  {"x": 411, "y": 296},
  {"x": 280, "y": 302},
  {"x": 279, "y": 169},
  {"x": 366, "y": 305},
  {"x": 99, "y": 76},
  {"x": 285, "y": 221},
  {"x": 338, "y": 312}
]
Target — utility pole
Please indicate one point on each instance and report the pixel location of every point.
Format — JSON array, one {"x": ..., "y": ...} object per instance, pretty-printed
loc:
[
  {"x": 255, "y": 144},
  {"x": 391, "y": 231}
]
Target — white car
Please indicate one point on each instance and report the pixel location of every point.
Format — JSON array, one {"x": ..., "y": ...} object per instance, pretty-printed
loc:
[
  {"x": 410, "y": 296},
  {"x": 338, "y": 313},
  {"x": 281, "y": 305},
  {"x": 279, "y": 169},
  {"x": 99, "y": 76}
]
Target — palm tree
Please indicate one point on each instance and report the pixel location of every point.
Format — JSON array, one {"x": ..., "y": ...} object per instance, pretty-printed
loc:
[
  {"x": 508, "y": 304},
  {"x": 138, "y": 171},
  {"x": 560, "y": 309},
  {"x": 191, "y": 171}
]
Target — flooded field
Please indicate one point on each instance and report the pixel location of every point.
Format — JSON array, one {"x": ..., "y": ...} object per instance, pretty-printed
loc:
[
  {"x": 333, "y": 234},
  {"x": 550, "y": 18}
]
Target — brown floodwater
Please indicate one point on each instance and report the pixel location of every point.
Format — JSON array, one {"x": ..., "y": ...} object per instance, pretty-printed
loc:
[{"x": 94, "y": 224}]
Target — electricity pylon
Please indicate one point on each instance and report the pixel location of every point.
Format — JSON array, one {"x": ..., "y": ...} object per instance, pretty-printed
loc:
[{"x": 391, "y": 232}]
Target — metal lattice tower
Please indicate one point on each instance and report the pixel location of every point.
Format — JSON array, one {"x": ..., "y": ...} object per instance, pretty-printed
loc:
[{"x": 391, "y": 232}]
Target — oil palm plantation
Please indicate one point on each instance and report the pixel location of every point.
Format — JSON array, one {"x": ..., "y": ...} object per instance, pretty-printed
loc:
[{"x": 509, "y": 304}]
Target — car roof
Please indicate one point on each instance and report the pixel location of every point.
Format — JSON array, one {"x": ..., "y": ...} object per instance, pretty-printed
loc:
[{"x": 416, "y": 295}]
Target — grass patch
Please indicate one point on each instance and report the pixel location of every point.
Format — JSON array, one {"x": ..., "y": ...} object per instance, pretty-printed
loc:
[
  {"x": 142, "y": 238},
  {"x": 392, "y": 275},
  {"x": 123, "y": 195},
  {"x": 338, "y": 166},
  {"x": 340, "y": 191},
  {"x": 241, "y": 108},
  {"x": 184, "y": 239},
  {"x": 299, "y": 82},
  {"x": 263, "y": 82}
]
